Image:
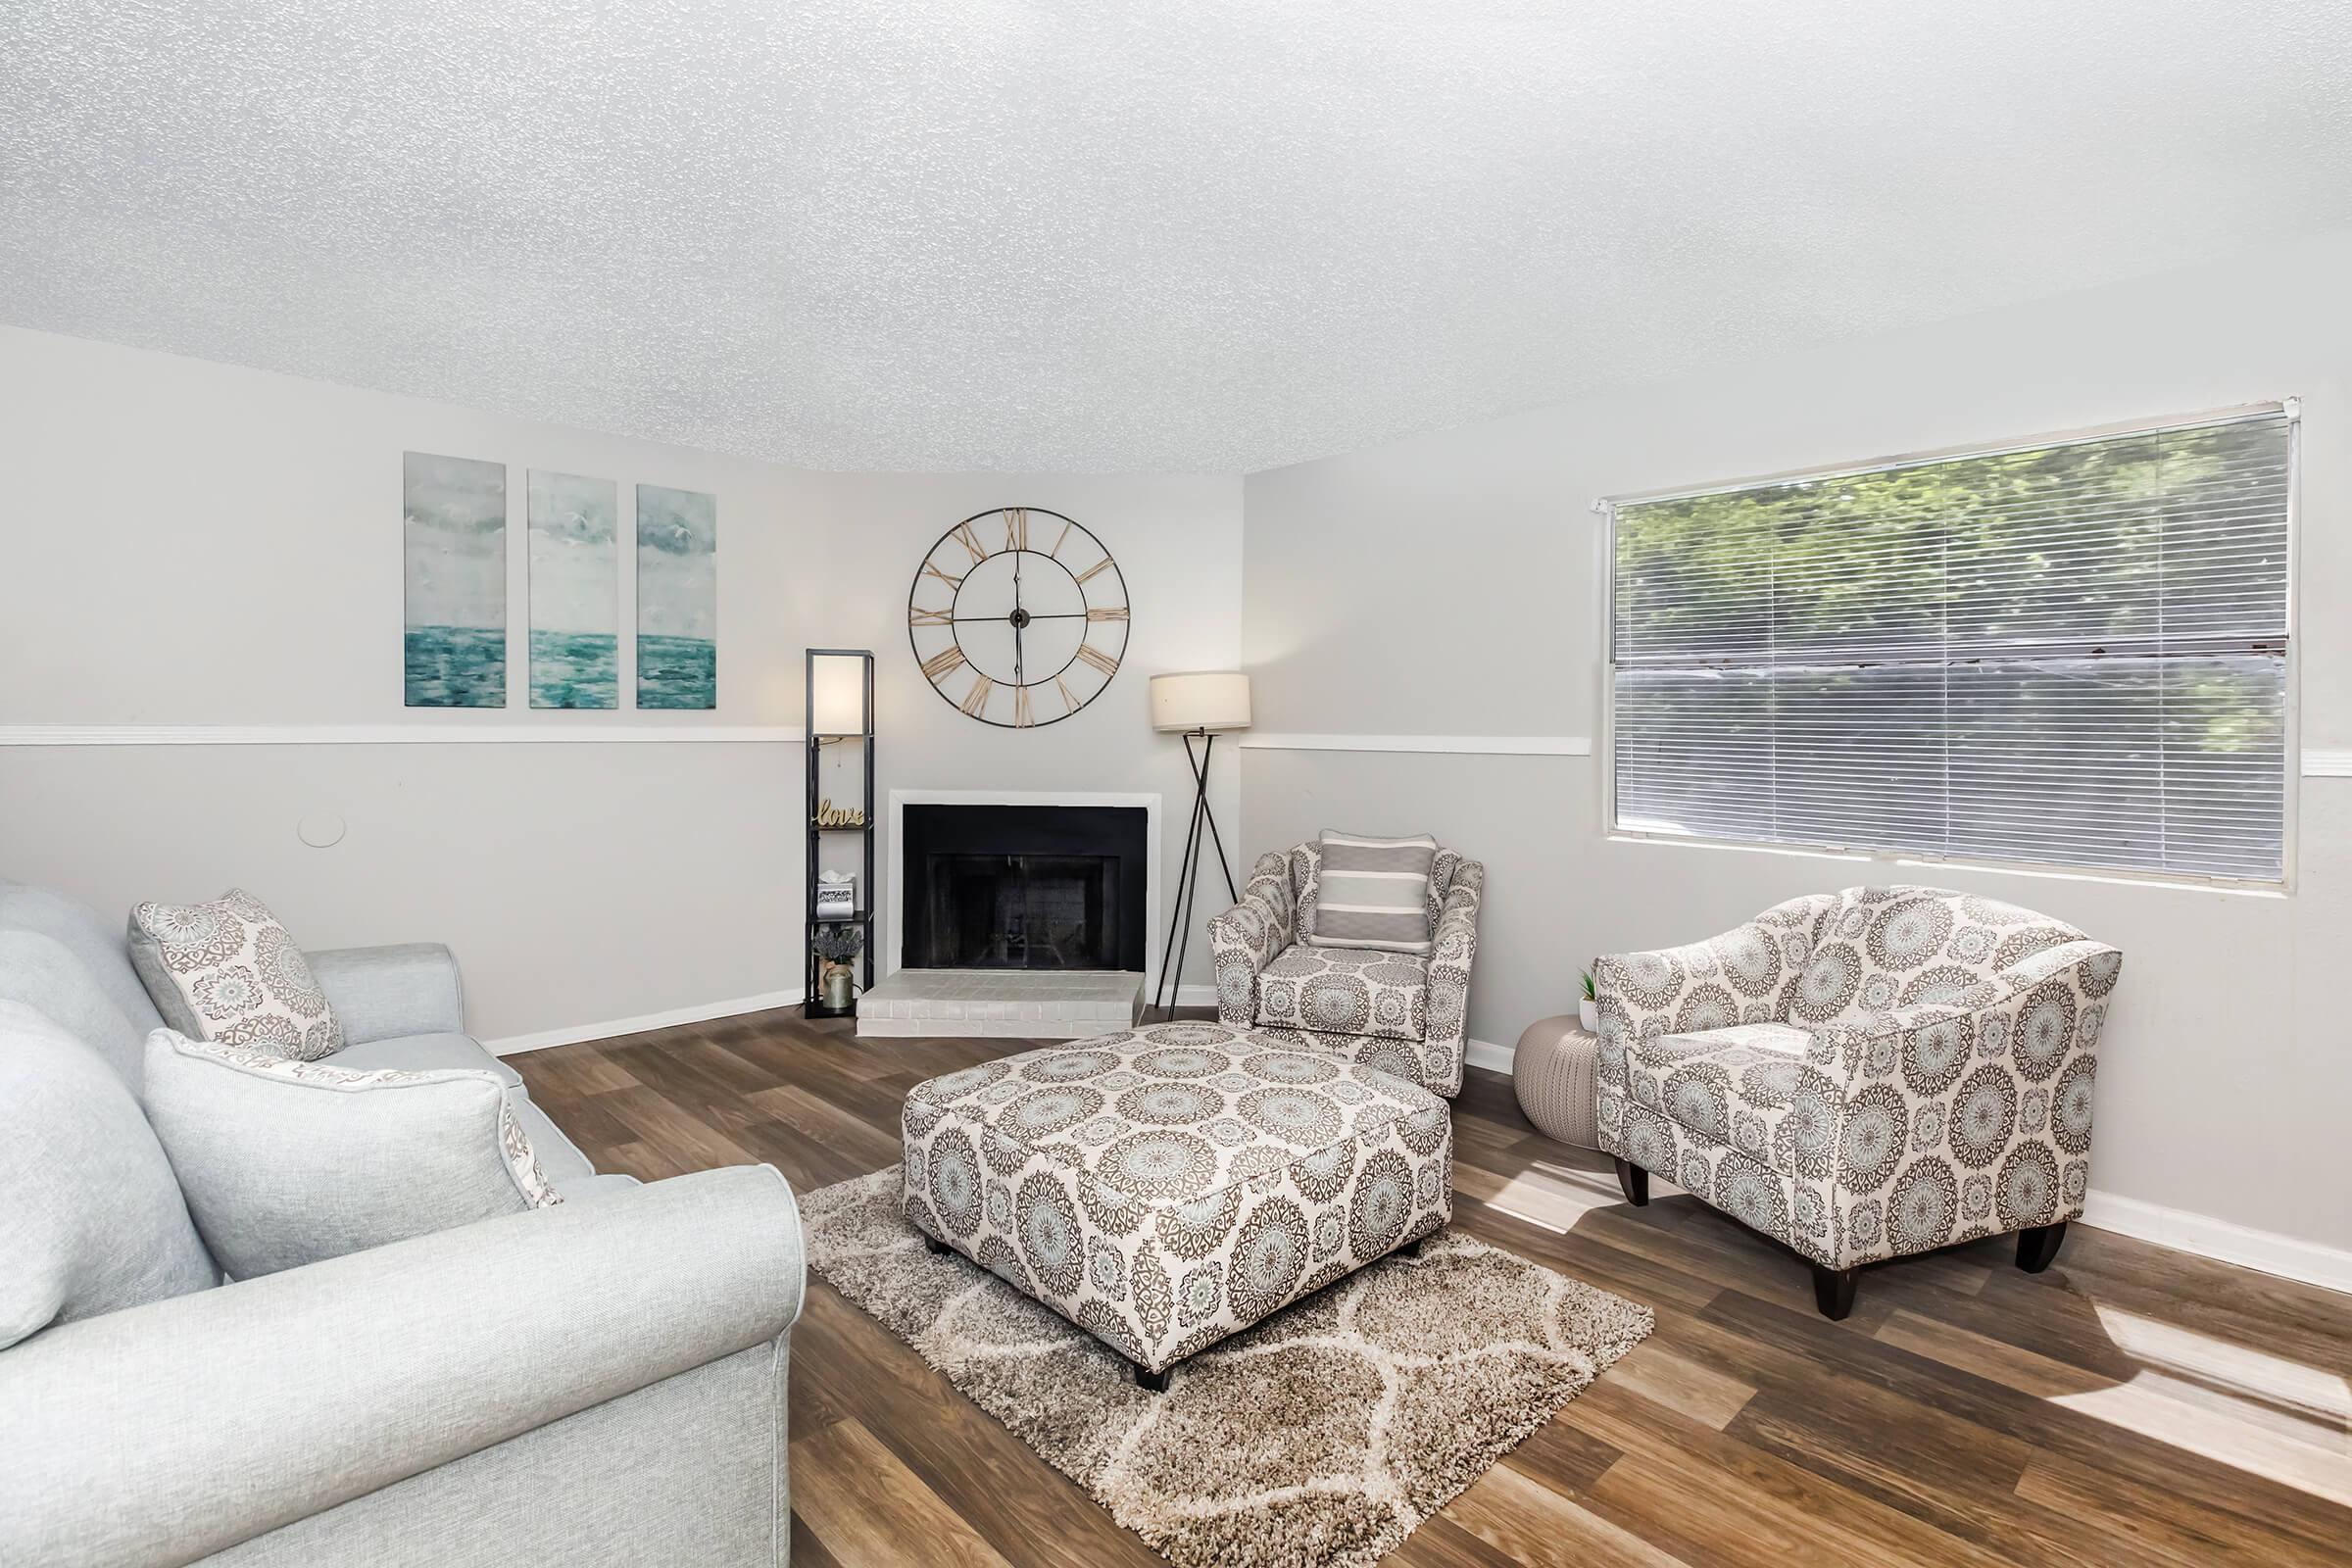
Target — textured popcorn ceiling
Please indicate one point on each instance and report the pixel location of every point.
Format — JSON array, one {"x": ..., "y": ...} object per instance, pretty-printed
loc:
[{"x": 1095, "y": 235}]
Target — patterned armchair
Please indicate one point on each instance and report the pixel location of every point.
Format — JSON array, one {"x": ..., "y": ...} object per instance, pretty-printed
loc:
[
  {"x": 1863, "y": 1075},
  {"x": 1402, "y": 1013}
]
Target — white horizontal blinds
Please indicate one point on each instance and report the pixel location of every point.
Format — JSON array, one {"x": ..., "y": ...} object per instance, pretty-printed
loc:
[{"x": 2072, "y": 654}]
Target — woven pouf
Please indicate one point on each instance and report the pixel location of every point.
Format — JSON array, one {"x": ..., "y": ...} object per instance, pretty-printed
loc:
[{"x": 1553, "y": 1071}]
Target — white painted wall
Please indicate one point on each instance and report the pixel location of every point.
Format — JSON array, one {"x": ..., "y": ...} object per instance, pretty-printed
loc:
[
  {"x": 1451, "y": 584},
  {"x": 193, "y": 544}
]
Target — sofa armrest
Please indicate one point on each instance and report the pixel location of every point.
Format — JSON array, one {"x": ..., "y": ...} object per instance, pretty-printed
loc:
[
  {"x": 1252, "y": 935},
  {"x": 412, "y": 988},
  {"x": 165, "y": 1433}
]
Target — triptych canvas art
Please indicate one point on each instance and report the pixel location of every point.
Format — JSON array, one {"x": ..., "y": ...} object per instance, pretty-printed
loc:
[{"x": 454, "y": 513}]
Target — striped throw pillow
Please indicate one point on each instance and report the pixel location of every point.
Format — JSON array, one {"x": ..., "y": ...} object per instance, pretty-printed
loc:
[{"x": 1373, "y": 893}]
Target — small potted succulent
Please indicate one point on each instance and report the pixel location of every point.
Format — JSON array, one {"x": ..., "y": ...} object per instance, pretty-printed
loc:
[
  {"x": 837, "y": 948},
  {"x": 1587, "y": 1007}
]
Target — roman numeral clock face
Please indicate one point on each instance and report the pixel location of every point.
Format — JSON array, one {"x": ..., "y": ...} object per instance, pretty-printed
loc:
[{"x": 1018, "y": 617}]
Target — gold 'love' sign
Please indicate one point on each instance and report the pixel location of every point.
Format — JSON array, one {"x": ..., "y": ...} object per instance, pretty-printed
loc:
[{"x": 830, "y": 816}]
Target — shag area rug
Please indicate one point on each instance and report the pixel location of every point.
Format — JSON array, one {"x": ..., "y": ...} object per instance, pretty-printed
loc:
[{"x": 1319, "y": 1438}]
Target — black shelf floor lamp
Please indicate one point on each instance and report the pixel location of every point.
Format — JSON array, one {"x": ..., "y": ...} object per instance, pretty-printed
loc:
[
  {"x": 840, "y": 720},
  {"x": 1198, "y": 704}
]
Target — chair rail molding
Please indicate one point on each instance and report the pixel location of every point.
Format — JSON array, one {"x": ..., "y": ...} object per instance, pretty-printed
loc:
[
  {"x": 2314, "y": 764},
  {"x": 1464, "y": 745},
  {"x": 573, "y": 733}
]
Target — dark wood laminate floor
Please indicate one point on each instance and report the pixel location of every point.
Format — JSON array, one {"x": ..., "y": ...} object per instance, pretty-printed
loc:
[{"x": 2133, "y": 1406}]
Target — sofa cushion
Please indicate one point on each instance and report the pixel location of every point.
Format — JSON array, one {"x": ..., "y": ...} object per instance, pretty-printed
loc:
[
  {"x": 286, "y": 1163},
  {"x": 426, "y": 1053},
  {"x": 1346, "y": 991},
  {"x": 44, "y": 974},
  {"x": 91, "y": 1219},
  {"x": 229, "y": 971},
  {"x": 1372, "y": 893},
  {"x": 93, "y": 940}
]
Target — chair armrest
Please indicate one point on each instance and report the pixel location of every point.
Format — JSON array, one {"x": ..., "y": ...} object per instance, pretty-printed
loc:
[
  {"x": 1249, "y": 936},
  {"x": 1738, "y": 977},
  {"x": 384, "y": 992},
  {"x": 160, "y": 1435},
  {"x": 1991, "y": 1015},
  {"x": 1453, "y": 947}
]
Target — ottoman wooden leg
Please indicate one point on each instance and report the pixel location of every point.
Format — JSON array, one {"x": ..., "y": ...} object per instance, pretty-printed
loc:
[
  {"x": 1412, "y": 1249},
  {"x": 1150, "y": 1381},
  {"x": 935, "y": 1244},
  {"x": 1635, "y": 1181},
  {"x": 2038, "y": 1245},
  {"x": 1833, "y": 1292}
]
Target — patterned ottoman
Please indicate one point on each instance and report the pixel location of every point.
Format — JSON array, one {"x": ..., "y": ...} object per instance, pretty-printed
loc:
[{"x": 1164, "y": 1187}]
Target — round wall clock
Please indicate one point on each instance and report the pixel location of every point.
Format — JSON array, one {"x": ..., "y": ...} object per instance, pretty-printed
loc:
[{"x": 1018, "y": 617}]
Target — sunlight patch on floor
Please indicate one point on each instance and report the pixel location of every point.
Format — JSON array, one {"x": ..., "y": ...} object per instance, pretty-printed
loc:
[
  {"x": 2314, "y": 1392},
  {"x": 2315, "y": 1459},
  {"x": 1554, "y": 1196}
]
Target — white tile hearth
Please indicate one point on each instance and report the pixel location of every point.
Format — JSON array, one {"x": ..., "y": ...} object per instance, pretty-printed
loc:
[{"x": 1022, "y": 1003}]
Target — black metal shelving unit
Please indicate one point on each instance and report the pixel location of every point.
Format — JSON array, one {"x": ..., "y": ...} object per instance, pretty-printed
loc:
[{"x": 862, "y": 916}]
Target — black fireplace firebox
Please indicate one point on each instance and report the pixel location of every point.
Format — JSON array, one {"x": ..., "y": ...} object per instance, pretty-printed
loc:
[{"x": 1023, "y": 887}]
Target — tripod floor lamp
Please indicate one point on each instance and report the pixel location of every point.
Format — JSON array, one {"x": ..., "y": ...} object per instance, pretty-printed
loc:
[{"x": 1198, "y": 706}]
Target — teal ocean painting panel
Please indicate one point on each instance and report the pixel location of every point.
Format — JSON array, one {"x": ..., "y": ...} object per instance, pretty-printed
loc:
[
  {"x": 575, "y": 591},
  {"x": 677, "y": 598},
  {"x": 454, "y": 556}
]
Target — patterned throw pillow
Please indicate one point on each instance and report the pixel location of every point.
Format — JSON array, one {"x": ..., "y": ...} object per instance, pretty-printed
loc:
[
  {"x": 1373, "y": 893},
  {"x": 285, "y": 1162},
  {"x": 228, "y": 971}
]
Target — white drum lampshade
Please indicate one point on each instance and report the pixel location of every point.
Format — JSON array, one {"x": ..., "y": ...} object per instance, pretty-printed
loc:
[
  {"x": 1211, "y": 699},
  {"x": 837, "y": 694}
]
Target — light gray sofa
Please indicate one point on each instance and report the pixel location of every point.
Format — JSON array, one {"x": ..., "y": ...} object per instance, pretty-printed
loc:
[{"x": 598, "y": 1382}]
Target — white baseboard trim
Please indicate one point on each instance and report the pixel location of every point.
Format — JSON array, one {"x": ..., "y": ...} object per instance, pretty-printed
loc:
[
  {"x": 438, "y": 733},
  {"x": 2224, "y": 1240},
  {"x": 1469, "y": 745},
  {"x": 572, "y": 1034},
  {"x": 1488, "y": 1055}
]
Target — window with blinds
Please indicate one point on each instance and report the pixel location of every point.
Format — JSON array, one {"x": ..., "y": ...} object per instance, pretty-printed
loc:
[{"x": 2073, "y": 653}]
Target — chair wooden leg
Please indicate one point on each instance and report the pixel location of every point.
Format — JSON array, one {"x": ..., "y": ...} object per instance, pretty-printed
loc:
[
  {"x": 1634, "y": 1181},
  {"x": 2038, "y": 1245},
  {"x": 1151, "y": 1382},
  {"x": 1833, "y": 1292},
  {"x": 935, "y": 1244}
]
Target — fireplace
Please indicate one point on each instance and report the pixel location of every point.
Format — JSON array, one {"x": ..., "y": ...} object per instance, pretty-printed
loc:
[{"x": 1023, "y": 887}]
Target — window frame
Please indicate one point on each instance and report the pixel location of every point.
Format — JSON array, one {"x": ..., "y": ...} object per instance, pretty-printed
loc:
[{"x": 2289, "y": 408}]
